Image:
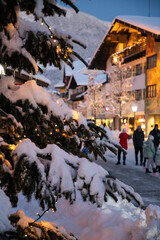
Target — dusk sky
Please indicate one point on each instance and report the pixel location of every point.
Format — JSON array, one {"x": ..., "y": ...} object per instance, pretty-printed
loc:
[{"x": 107, "y": 10}]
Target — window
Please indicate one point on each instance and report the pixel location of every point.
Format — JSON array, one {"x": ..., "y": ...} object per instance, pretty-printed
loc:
[
  {"x": 138, "y": 69},
  {"x": 144, "y": 93},
  {"x": 138, "y": 94},
  {"x": 151, "y": 61},
  {"x": 151, "y": 91}
]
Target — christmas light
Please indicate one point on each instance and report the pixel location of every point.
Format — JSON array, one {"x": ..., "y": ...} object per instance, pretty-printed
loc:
[
  {"x": 50, "y": 133},
  {"x": 51, "y": 36},
  {"x": 12, "y": 146},
  {"x": 42, "y": 23},
  {"x": 49, "y": 27}
]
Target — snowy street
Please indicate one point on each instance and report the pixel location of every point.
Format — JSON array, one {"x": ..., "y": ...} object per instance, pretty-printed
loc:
[{"x": 147, "y": 185}]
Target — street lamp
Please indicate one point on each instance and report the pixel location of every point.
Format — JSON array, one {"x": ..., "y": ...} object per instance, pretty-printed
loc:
[{"x": 134, "y": 109}]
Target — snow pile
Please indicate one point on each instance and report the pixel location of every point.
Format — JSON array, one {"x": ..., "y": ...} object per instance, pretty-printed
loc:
[
  {"x": 114, "y": 221},
  {"x": 5, "y": 210}
]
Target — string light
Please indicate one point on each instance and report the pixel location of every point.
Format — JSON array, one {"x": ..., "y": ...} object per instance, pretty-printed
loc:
[
  {"x": 12, "y": 146},
  {"x": 42, "y": 23},
  {"x": 51, "y": 36},
  {"x": 49, "y": 28},
  {"x": 69, "y": 50}
]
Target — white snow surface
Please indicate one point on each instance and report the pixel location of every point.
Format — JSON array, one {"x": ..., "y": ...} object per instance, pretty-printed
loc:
[
  {"x": 151, "y": 24},
  {"x": 5, "y": 210}
]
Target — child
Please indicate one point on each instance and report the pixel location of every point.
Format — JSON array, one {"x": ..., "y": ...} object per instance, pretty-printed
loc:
[
  {"x": 149, "y": 151},
  {"x": 157, "y": 160}
]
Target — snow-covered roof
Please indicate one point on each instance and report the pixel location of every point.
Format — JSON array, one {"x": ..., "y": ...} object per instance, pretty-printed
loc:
[
  {"x": 60, "y": 84},
  {"x": 150, "y": 24},
  {"x": 80, "y": 73}
]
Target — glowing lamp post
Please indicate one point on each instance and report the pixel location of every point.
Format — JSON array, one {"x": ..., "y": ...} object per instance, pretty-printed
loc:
[{"x": 134, "y": 109}]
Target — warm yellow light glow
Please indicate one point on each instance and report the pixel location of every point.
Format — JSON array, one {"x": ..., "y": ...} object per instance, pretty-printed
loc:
[
  {"x": 115, "y": 59},
  {"x": 36, "y": 129},
  {"x": 49, "y": 27},
  {"x": 12, "y": 146},
  {"x": 50, "y": 133},
  {"x": 51, "y": 36},
  {"x": 69, "y": 50},
  {"x": 76, "y": 115},
  {"x": 42, "y": 23},
  {"x": 141, "y": 120}
]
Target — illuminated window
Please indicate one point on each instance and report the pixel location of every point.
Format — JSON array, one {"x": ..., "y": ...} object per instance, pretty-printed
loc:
[{"x": 151, "y": 91}]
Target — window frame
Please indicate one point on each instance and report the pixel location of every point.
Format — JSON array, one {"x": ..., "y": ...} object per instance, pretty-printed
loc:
[
  {"x": 152, "y": 61},
  {"x": 151, "y": 91}
]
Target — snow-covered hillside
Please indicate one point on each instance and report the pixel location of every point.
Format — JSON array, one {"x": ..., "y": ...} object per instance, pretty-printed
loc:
[{"x": 83, "y": 27}]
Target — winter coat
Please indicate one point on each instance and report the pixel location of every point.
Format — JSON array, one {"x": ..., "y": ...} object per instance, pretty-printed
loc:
[
  {"x": 157, "y": 159},
  {"x": 138, "y": 138},
  {"x": 149, "y": 149},
  {"x": 85, "y": 150},
  {"x": 123, "y": 139},
  {"x": 156, "y": 135}
]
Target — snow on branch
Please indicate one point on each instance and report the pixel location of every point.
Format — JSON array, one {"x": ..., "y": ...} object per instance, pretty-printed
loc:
[
  {"x": 65, "y": 169},
  {"x": 25, "y": 42}
]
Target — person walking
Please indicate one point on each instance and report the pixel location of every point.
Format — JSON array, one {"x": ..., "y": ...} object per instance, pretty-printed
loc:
[
  {"x": 149, "y": 151},
  {"x": 123, "y": 142},
  {"x": 156, "y": 134},
  {"x": 138, "y": 138}
]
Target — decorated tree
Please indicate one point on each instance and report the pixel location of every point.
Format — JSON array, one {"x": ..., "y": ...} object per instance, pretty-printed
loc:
[
  {"x": 40, "y": 139},
  {"x": 119, "y": 95},
  {"x": 94, "y": 100}
]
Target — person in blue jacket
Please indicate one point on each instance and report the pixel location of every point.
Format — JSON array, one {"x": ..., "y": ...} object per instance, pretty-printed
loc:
[{"x": 85, "y": 150}]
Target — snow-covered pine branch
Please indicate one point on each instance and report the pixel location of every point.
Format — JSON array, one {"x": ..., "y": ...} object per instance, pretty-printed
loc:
[
  {"x": 22, "y": 46},
  {"x": 59, "y": 174}
]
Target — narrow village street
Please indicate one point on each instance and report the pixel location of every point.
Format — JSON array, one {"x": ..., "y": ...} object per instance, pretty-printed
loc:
[{"x": 147, "y": 185}]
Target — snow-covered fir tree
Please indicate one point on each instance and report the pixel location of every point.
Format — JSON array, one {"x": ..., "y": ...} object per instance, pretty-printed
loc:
[{"x": 40, "y": 139}]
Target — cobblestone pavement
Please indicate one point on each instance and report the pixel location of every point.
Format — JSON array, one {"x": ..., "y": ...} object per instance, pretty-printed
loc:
[{"x": 147, "y": 185}]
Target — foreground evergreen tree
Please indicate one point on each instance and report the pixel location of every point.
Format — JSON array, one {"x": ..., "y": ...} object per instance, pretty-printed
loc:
[{"x": 40, "y": 139}]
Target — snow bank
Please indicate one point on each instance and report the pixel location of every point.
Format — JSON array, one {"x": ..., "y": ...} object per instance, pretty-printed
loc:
[{"x": 114, "y": 221}]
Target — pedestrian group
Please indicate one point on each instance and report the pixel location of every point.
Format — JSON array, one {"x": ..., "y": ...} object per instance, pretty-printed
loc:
[{"x": 149, "y": 150}]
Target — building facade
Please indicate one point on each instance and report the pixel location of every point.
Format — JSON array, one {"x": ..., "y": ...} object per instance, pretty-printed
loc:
[{"x": 134, "y": 43}]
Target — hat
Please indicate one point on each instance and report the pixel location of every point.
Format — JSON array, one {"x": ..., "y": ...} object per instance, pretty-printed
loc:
[
  {"x": 139, "y": 127},
  {"x": 150, "y": 137},
  {"x": 124, "y": 130}
]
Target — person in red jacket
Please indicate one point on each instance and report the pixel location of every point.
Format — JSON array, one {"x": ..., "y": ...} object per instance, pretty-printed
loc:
[{"x": 123, "y": 142}]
